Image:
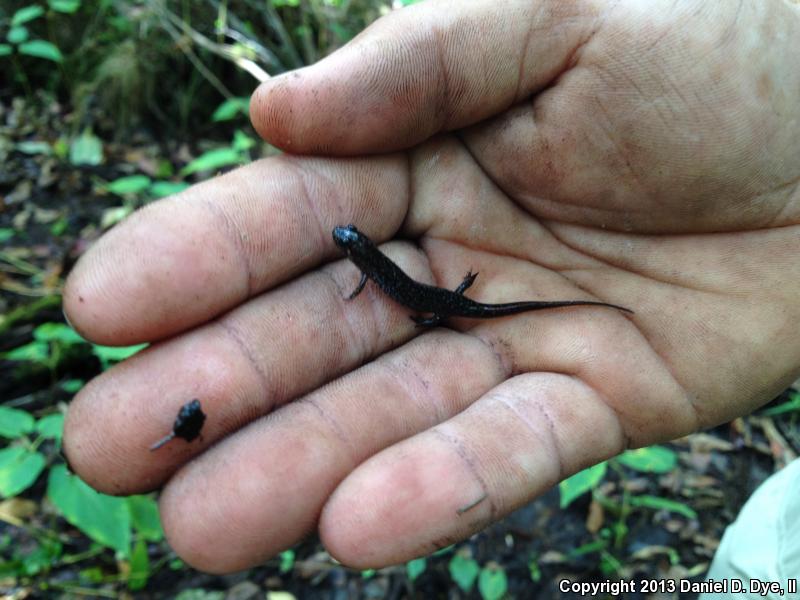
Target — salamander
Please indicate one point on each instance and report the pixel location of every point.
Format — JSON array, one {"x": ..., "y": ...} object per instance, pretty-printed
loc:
[{"x": 423, "y": 298}]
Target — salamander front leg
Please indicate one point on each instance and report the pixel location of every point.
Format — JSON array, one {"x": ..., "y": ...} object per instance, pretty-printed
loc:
[
  {"x": 431, "y": 321},
  {"x": 468, "y": 281},
  {"x": 359, "y": 287}
]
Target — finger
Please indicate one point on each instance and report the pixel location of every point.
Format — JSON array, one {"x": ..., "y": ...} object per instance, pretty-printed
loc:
[
  {"x": 447, "y": 483},
  {"x": 261, "y": 490},
  {"x": 298, "y": 455},
  {"x": 433, "y": 67},
  {"x": 182, "y": 261},
  {"x": 252, "y": 360}
]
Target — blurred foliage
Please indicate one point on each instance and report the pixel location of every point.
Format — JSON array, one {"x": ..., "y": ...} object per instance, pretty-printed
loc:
[{"x": 110, "y": 59}]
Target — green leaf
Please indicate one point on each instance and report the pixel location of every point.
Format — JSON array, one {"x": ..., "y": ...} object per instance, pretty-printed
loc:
[
  {"x": 493, "y": 583},
  {"x": 26, "y": 13},
  {"x": 367, "y": 573},
  {"x": 653, "y": 459},
  {"x": 15, "y": 422},
  {"x": 104, "y": 519},
  {"x": 17, "y": 35},
  {"x": 86, "y": 149},
  {"x": 34, "y": 147},
  {"x": 57, "y": 332},
  {"x": 58, "y": 227},
  {"x": 792, "y": 405},
  {"x": 65, "y": 6},
  {"x": 35, "y": 351},
  {"x": 145, "y": 517},
  {"x": 19, "y": 469},
  {"x": 282, "y": 3},
  {"x": 580, "y": 483},
  {"x": 41, "y": 49},
  {"x": 45, "y": 555},
  {"x": 535, "y": 570},
  {"x": 161, "y": 189},
  {"x": 464, "y": 571},
  {"x": 231, "y": 108},
  {"x": 242, "y": 141},
  {"x": 72, "y": 386},
  {"x": 6, "y": 233},
  {"x": 663, "y": 504},
  {"x": 140, "y": 566},
  {"x": 287, "y": 561},
  {"x": 112, "y": 354},
  {"x": 134, "y": 184},
  {"x": 5, "y": 50},
  {"x": 213, "y": 160},
  {"x": 415, "y": 568},
  {"x": 51, "y": 426},
  {"x": 61, "y": 148}
]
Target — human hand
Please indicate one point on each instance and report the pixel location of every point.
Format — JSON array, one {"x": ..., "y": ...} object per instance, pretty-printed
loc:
[{"x": 639, "y": 155}]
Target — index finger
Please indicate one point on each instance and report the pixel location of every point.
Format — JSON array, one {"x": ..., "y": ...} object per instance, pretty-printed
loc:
[{"x": 181, "y": 261}]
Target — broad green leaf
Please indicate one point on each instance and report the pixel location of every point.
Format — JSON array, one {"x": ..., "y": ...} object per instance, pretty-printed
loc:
[
  {"x": 663, "y": 504},
  {"x": 282, "y": 3},
  {"x": 51, "y": 426},
  {"x": 19, "y": 468},
  {"x": 26, "y": 13},
  {"x": 105, "y": 519},
  {"x": 792, "y": 405},
  {"x": 57, "y": 332},
  {"x": 5, "y": 49},
  {"x": 41, "y": 49},
  {"x": 145, "y": 518},
  {"x": 35, "y": 351},
  {"x": 17, "y": 35},
  {"x": 86, "y": 149},
  {"x": 15, "y": 422},
  {"x": 213, "y": 160},
  {"x": 161, "y": 189},
  {"x": 580, "y": 483},
  {"x": 134, "y": 184},
  {"x": 65, "y": 6},
  {"x": 72, "y": 386},
  {"x": 287, "y": 561},
  {"x": 6, "y": 233},
  {"x": 140, "y": 566},
  {"x": 112, "y": 216},
  {"x": 463, "y": 571},
  {"x": 415, "y": 568},
  {"x": 111, "y": 354},
  {"x": 231, "y": 108},
  {"x": 46, "y": 554},
  {"x": 58, "y": 227},
  {"x": 493, "y": 583},
  {"x": 35, "y": 147},
  {"x": 242, "y": 141},
  {"x": 653, "y": 459}
]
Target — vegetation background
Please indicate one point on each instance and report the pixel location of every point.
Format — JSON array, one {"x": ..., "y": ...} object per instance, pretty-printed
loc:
[{"x": 107, "y": 105}]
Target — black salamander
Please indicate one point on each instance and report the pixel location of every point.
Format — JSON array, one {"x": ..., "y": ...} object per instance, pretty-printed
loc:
[{"x": 420, "y": 297}]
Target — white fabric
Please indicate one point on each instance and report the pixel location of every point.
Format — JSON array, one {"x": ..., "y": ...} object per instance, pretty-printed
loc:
[{"x": 764, "y": 541}]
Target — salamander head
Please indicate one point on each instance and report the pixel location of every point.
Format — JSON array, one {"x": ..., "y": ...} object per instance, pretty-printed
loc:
[{"x": 350, "y": 239}]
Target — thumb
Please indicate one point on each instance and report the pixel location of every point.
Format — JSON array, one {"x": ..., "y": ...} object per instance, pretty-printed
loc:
[{"x": 436, "y": 66}]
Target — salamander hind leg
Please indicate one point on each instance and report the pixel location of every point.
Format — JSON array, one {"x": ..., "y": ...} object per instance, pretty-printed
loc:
[
  {"x": 421, "y": 321},
  {"x": 469, "y": 279},
  {"x": 359, "y": 287}
]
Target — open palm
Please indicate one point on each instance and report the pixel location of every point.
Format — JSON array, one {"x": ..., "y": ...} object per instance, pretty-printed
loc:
[{"x": 643, "y": 155}]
